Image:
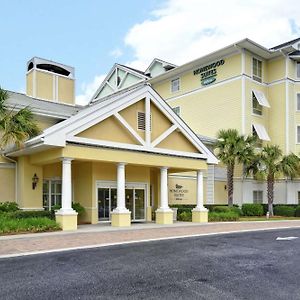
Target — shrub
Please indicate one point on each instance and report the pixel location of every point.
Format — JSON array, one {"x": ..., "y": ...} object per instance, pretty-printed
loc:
[
  {"x": 252, "y": 209},
  {"x": 12, "y": 225},
  {"x": 22, "y": 214},
  {"x": 297, "y": 211},
  {"x": 223, "y": 216},
  {"x": 284, "y": 210},
  {"x": 185, "y": 216},
  {"x": 76, "y": 206},
  {"x": 8, "y": 206},
  {"x": 222, "y": 209}
]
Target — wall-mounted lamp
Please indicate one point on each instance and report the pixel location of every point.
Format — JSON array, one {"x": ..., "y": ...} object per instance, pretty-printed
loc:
[
  {"x": 225, "y": 187},
  {"x": 35, "y": 180}
]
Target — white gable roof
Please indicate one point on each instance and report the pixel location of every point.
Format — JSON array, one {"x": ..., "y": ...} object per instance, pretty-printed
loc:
[
  {"x": 113, "y": 82},
  {"x": 65, "y": 132}
]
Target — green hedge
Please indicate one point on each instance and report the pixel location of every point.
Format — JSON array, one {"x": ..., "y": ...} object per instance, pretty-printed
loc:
[
  {"x": 297, "y": 211},
  {"x": 222, "y": 209},
  {"x": 8, "y": 206},
  {"x": 284, "y": 211},
  {"x": 252, "y": 209},
  {"x": 23, "y": 214},
  {"x": 223, "y": 216},
  {"x": 185, "y": 216},
  {"x": 75, "y": 205},
  {"x": 13, "y": 225}
]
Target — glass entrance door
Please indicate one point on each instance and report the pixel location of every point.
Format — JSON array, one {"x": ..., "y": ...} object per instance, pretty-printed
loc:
[
  {"x": 135, "y": 200},
  {"x": 103, "y": 203}
]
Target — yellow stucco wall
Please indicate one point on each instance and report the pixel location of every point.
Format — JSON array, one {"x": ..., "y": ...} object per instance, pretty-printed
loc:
[
  {"x": 66, "y": 90},
  {"x": 28, "y": 197},
  {"x": 44, "y": 85},
  {"x": 29, "y": 80},
  {"x": 109, "y": 129},
  {"x": 159, "y": 122},
  {"x": 211, "y": 109},
  {"x": 275, "y": 69},
  {"x": 189, "y": 81},
  {"x": 7, "y": 184}
]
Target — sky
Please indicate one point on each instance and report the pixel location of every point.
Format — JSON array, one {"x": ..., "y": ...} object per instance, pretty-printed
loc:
[{"x": 92, "y": 35}]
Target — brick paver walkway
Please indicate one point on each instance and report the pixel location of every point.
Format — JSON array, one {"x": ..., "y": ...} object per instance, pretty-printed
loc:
[{"x": 14, "y": 245}]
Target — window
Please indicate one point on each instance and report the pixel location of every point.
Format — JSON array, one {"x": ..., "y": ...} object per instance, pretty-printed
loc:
[
  {"x": 298, "y": 134},
  {"x": 298, "y": 69},
  {"x": 175, "y": 85},
  {"x": 257, "y": 196},
  {"x": 141, "y": 121},
  {"x": 298, "y": 102},
  {"x": 258, "y": 141},
  {"x": 299, "y": 197},
  {"x": 257, "y": 69},
  {"x": 51, "y": 193},
  {"x": 176, "y": 110},
  {"x": 256, "y": 107}
]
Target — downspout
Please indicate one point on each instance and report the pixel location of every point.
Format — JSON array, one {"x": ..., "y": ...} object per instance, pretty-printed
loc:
[{"x": 16, "y": 176}]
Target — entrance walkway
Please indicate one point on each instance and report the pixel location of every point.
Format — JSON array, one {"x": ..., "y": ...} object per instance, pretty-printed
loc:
[{"x": 92, "y": 236}]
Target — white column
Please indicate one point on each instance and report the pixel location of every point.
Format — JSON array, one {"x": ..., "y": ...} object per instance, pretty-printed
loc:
[
  {"x": 164, "y": 206},
  {"x": 200, "y": 187},
  {"x": 66, "y": 201},
  {"x": 121, "y": 189}
]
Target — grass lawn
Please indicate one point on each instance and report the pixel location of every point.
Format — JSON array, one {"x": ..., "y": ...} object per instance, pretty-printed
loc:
[{"x": 263, "y": 218}]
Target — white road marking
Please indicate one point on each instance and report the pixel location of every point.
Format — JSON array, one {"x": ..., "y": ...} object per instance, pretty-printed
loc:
[
  {"x": 288, "y": 238},
  {"x": 142, "y": 241}
]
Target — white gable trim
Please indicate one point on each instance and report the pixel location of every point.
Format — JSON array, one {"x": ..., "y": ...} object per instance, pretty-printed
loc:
[
  {"x": 164, "y": 135},
  {"x": 60, "y": 134},
  {"x": 124, "y": 146},
  {"x": 111, "y": 72},
  {"x": 129, "y": 128}
]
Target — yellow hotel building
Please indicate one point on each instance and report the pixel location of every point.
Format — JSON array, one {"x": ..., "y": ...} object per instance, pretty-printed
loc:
[{"x": 145, "y": 139}]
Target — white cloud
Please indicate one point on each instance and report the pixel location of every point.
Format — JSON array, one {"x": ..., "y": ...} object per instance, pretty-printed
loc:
[
  {"x": 182, "y": 30},
  {"x": 88, "y": 90},
  {"x": 116, "y": 53}
]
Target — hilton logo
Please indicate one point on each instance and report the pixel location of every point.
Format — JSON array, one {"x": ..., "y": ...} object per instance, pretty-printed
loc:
[{"x": 178, "y": 186}]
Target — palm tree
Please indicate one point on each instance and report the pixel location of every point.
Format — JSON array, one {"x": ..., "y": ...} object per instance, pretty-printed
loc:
[
  {"x": 234, "y": 148},
  {"x": 15, "y": 127},
  {"x": 269, "y": 163}
]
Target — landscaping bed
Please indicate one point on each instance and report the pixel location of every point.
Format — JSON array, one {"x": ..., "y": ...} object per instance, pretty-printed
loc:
[
  {"x": 14, "y": 221},
  {"x": 248, "y": 212}
]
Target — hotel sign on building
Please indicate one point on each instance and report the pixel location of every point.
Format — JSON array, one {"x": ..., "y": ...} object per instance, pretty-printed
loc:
[{"x": 208, "y": 73}]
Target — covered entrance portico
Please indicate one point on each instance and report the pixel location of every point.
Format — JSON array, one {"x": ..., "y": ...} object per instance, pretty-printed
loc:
[{"x": 110, "y": 155}]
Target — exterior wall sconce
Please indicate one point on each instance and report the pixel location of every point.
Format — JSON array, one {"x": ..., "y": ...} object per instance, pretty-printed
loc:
[
  {"x": 35, "y": 180},
  {"x": 225, "y": 187}
]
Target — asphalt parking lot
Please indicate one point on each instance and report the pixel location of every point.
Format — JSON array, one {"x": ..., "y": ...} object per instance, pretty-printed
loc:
[{"x": 249, "y": 265}]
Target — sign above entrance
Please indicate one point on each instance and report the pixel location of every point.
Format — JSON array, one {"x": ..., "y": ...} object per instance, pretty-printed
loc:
[{"x": 209, "y": 73}]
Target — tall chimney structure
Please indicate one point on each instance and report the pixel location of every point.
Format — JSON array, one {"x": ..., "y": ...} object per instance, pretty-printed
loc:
[{"x": 51, "y": 81}]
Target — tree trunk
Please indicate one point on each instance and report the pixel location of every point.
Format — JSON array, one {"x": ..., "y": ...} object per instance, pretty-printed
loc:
[
  {"x": 230, "y": 170},
  {"x": 270, "y": 189}
]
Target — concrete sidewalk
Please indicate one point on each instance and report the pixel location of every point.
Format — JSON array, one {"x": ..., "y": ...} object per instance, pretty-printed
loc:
[{"x": 92, "y": 236}]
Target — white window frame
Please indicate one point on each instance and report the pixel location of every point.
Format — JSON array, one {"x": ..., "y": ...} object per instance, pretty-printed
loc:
[
  {"x": 50, "y": 181},
  {"x": 253, "y": 98},
  {"x": 297, "y": 141},
  {"x": 261, "y": 78},
  {"x": 179, "y": 84},
  {"x": 179, "y": 110},
  {"x": 255, "y": 201},
  {"x": 297, "y": 95},
  {"x": 297, "y": 63},
  {"x": 259, "y": 142}
]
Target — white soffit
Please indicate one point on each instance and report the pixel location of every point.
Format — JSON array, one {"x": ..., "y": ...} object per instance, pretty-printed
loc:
[
  {"x": 261, "y": 98},
  {"x": 261, "y": 132}
]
